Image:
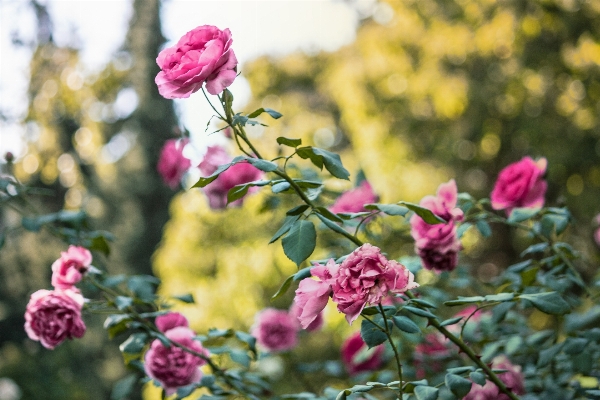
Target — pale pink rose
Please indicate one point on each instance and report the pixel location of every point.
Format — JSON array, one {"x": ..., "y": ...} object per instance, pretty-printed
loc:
[
  {"x": 520, "y": 184},
  {"x": 52, "y": 316},
  {"x": 366, "y": 277},
  {"x": 170, "y": 320},
  {"x": 512, "y": 378},
  {"x": 275, "y": 330},
  {"x": 437, "y": 244},
  {"x": 354, "y": 200},
  {"x": 202, "y": 55},
  {"x": 172, "y": 164},
  {"x": 70, "y": 267},
  {"x": 172, "y": 366},
  {"x": 357, "y": 357},
  {"x": 312, "y": 295},
  {"x": 429, "y": 354},
  {"x": 317, "y": 322},
  {"x": 237, "y": 174}
]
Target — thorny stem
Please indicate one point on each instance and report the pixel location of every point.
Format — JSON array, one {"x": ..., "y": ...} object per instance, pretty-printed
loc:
[{"x": 396, "y": 355}]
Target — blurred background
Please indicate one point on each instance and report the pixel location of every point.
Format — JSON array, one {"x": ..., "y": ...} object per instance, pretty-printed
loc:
[{"x": 413, "y": 93}]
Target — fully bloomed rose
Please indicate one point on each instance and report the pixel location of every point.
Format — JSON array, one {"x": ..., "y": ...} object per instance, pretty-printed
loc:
[
  {"x": 172, "y": 366},
  {"x": 437, "y": 244},
  {"x": 520, "y": 184},
  {"x": 512, "y": 378},
  {"x": 357, "y": 357},
  {"x": 354, "y": 200},
  {"x": 70, "y": 267},
  {"x": 275, "y": 330},
  {"x": 202, "y": 55},
  {"x": 366, "y": 277},
  {"x": 52, "y": 316},
  {"x": 312, "y": 295},
  {"x": 171, "y": 163},
  {"x": 237, "y": 174}
]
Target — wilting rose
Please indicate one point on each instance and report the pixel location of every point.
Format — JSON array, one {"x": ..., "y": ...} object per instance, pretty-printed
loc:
[
  {"x": 52, "y": 316},
  {"x": 354, "y": 200},
  {"x": 172, "y": 164},
  {"x": 275, "y": 330},
  {"x": 520, "y": 184},
  {"x": 512, "y": 378},
  {"x": 437, "y": 244},
  {"x": 366, "y": 276},
  {"x": 170, "y": 320},
  {"x": 172, "y": 366},
  {"x": 237, "y": 174},
  {"x": 429, "y": 354},
  {"x": 357, "y": 357},
  {"x": 312, "y": 295},
  {"x": 70, "y": 267},
  {"x": 202, "y": 55}
]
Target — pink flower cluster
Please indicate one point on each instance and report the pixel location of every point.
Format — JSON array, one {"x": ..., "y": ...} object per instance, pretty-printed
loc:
[
  {"x": 364, "y": 277},
  {"x": 203, "y": 55},
  {"x": 237, "y": 174},
  {"x": 357, "y": 357},
  {"x": 172, "y": 366},
  {"x": 520, "y": 184},
  {"x": 172, "y": 164},
  {"x": 353, "y": 201},
  {"x": 438, "y": 245},
  {"x": 52, "y": 316},
  {"x": 512, "y": 378}
]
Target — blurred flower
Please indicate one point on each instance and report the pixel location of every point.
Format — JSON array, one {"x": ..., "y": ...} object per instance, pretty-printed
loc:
[
  {"x": 275, "y": 330},
  {"x": 429, "y": 353},
  {"x": 172, "y": 164},
  {"x": 172, "y": 366},
  {"x": 357, "y": 357},
  {"x": 170, "y": 320},
  {"x": 202, "y": 55},
  {"x": 9, "y": 390},
  {"x": 237, "y": 174},
  {"x": 437, "y": 244},
  {"x": 52, "y": 316},
  {"x": 354, "y": 200},
  {"x": 312, "y": 295},
  {"x": 512, "y": 378},
  {"x": 366, "y": 276},
  {"x": 70, "y": 267},
  {"x": 520, "y": 184}
]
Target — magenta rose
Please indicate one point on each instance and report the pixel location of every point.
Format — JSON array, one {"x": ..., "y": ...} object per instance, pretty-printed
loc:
[
  {"x": 52, "y": 316},
  {"x": 366, "y": 276},
  {"x": 202, "y": 55},
  {"x": 171, "y": 163},
  {"x": 172, "y": 366},
  {"x": 275, "y": 330},
  {"x": 438, "y": 244},
  {"x": 237, "y": 174},
  {"x": 70, "y": 267},
  {"x": 354, "y": 200},
  {"x": 512, "y": 378},
  {"x": 170, "y": 320},
  {"x": 520, "y": 184},
  {"x": 357, "y": 357},
  {"x": 312, "y": 295}
]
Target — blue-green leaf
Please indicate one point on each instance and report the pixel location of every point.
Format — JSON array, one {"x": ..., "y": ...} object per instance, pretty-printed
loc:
[
  {"x": 300, "y": 241},
  {"x": 371, "y": 334},
  {"x": 289, "y": 142},
  {"x": 426, "y": 214},
  {"x": 548, "y": 302},
  {"x": 405, "y": 324},
  {"x": 426, "y": 393},
  {"x": 458, "y": 385}
]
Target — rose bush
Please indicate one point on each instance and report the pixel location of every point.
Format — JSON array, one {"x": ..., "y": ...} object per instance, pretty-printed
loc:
[
  {"x": 203, "y": 55},
  {"x": 520, "y": 184},
  {"x": 70, "y": 267}
]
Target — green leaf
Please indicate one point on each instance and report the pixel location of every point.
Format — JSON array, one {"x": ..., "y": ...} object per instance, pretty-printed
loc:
[
  {"x": 186, "y": 298},
  {"x": 547, "y": 355},
  {"x": 287, "y": 224},
  {"x": 424, "y": 213},
  {"x": 458, "y": 385},
  {"x": 134, "y": 343},
  {"x": 283, "y": 288},
  {"x": 484, "y": 228},
  {"x": 418, "y": 311},
  {"x": 465, "y": 300},
  {"x": 540, "y": 337},
  {"x": 99, "y": 243},
  {"x": 371, "y": 334},
  {"x": 280, "y": 187},
  {"x": 500, "y": 297},
  {"x": 237, "y": 192},
  {"x": 123, "y": 302},
  {"x": 462, "y": 228},
  {"x": 333, "y": 163},
  {"x": 426, "y": 393},
  {"x": 332, "y": 225},
  {"x": 300, "y": 241},
  {"x": 575, "y": 345},
  {"x": 274, "y": 114},
  {"x": 263, "y": 165},
  {"x": 116, "y": 323},
  {"x": 450, "y": 321},
  {"x": 241, "y": 357},
  {"x": 123, "y": 387},
  {"x": 143, "y": 286},
  {"x": 247, "y": 338},
  {"x": 297, "y": 210},
  {"x": 460, "y": 370},
  {"x": 549, "y": 302},
  {"x": 423, "y": 303},
  {"x": 205, "y": 180},
  {"x": 361, "y": 388},
  {"x": 478, "y": 378},
  {"x": 328, "y": 214},
  {"x": 522, "y": 214},
  {"x": 535, "y": 248},
  {"x": 389, "y": 209},
  {"x": 406, "y": 324},
  {"x": 307, "y": 152},
  {"x": 289, "y": 142}
]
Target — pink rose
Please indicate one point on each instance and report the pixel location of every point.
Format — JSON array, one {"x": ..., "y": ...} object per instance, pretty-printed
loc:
[
  {"x": 312, "y": 295},
  {"x": 275, "y": 330},
  {"x": 237, "y": 174},
  {"x": 438, "y": 245},
  {"x": 512, "y": 378},
  {"x": 70, "y": 267},
  {"x": 203, "y": 54},
  {"x": 317, "y": 322},
  {"x": 429, "y": 353},
  {"x": 172, "y": 366},
  {"x": 170, "y": 320},
  {"x": 171, "y": 163},
  {"x": 366, "y": 276},
  {"x": 354, "y": 200},
  {"x": 357, "y": 357},
  {"x": 520, "y": 184},
  {"x": 52, "y": 316}
]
